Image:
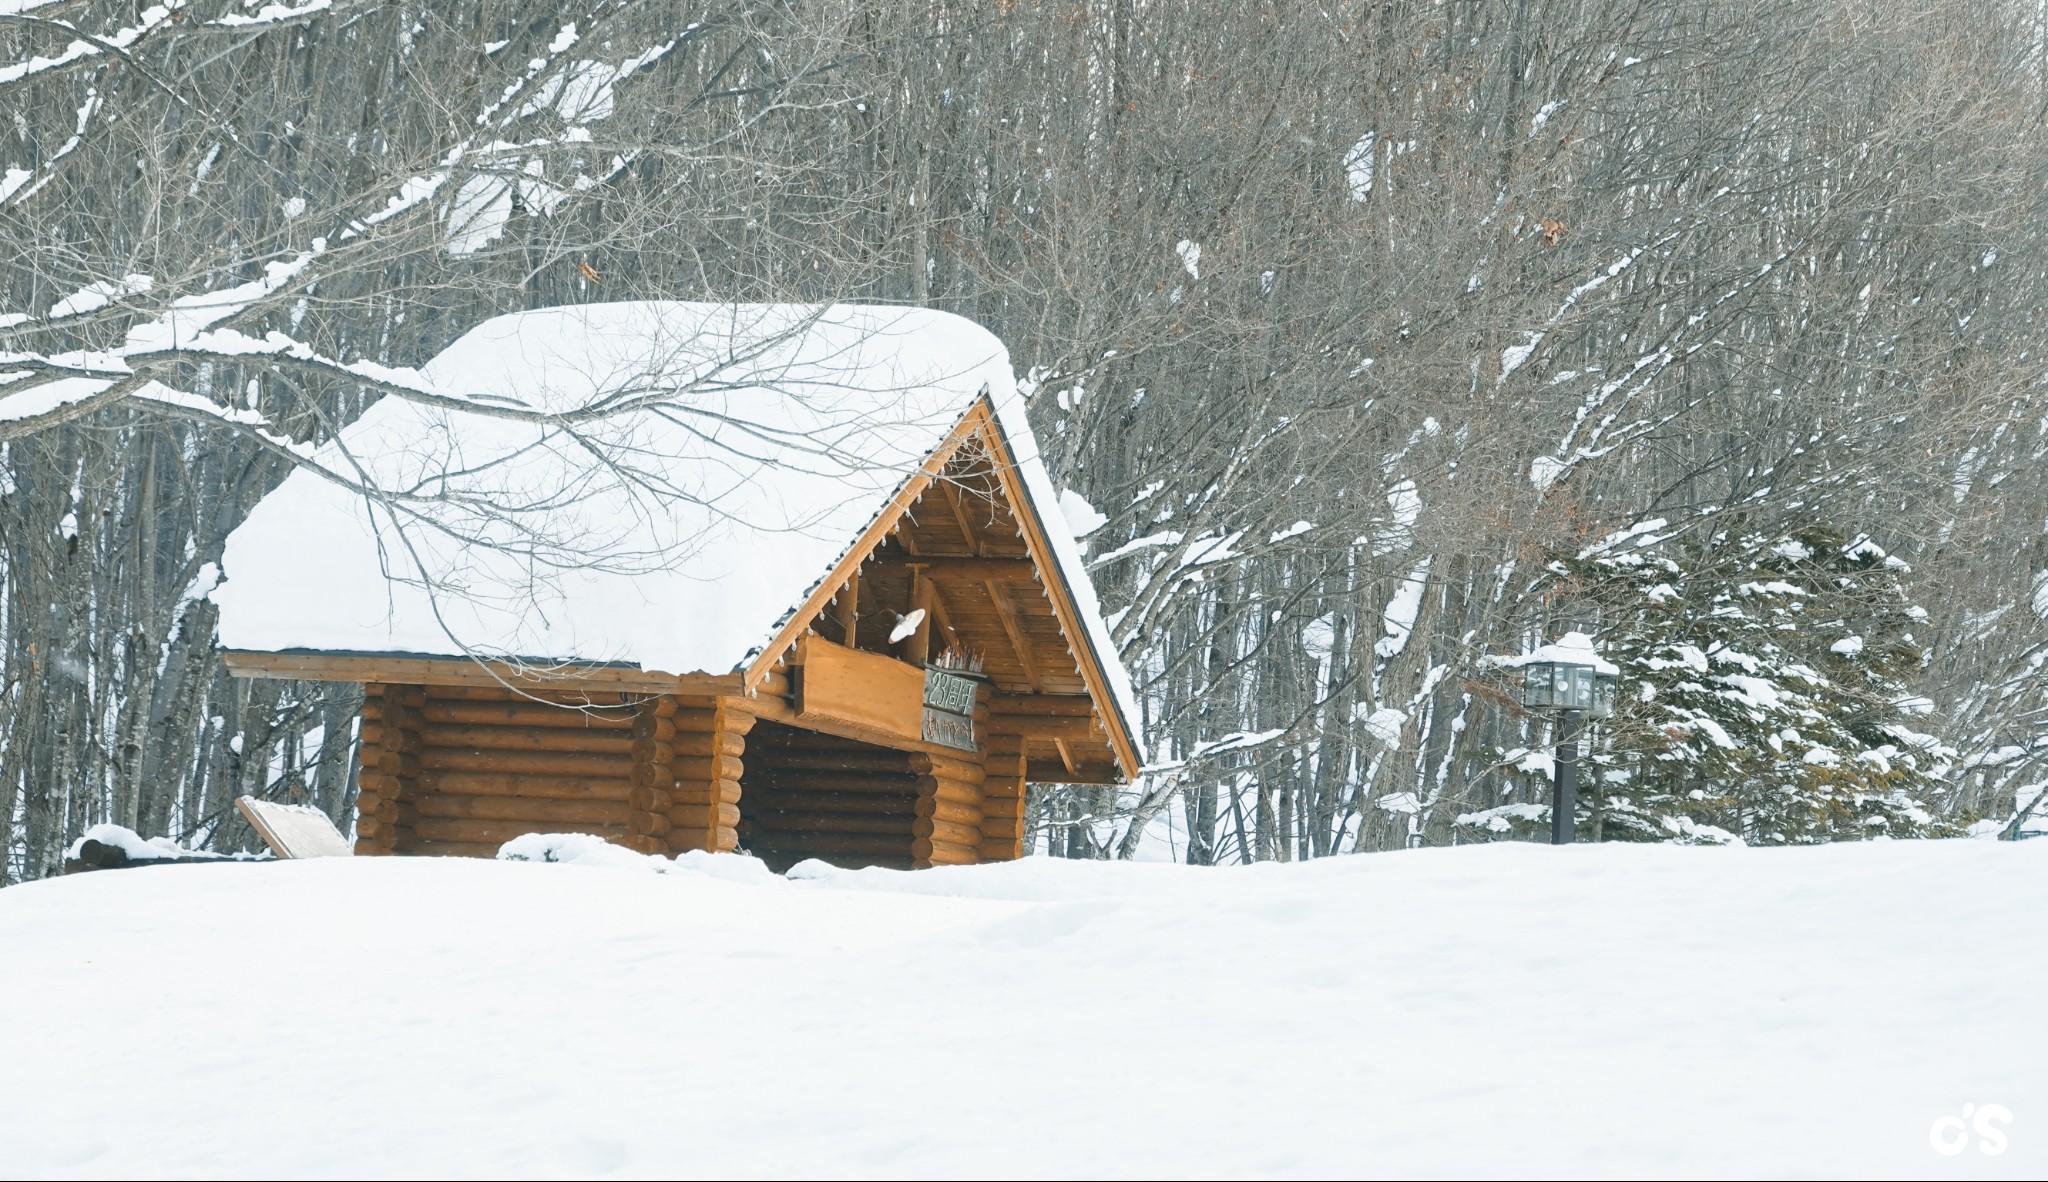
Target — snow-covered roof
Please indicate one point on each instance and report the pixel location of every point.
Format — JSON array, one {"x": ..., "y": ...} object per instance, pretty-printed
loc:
[{"x": 744, "y": 450}]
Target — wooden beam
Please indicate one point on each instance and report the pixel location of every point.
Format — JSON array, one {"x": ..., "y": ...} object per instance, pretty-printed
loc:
[
  {"x": 1014, "y": 629},
  {"x": 779, "y": 709},
  {"x": 967, "y": 530},
  {"x": 1043, "y": 705},
  {"x": 917, "y": 647},
  {"x": 846, "y": 608},
  {"x": 1046, "y": 772},
  {"x": 941, "y": 618},
  {"x": 1065, "y": 610},
  {"x": 956, "y": 569},
  {"x": 1050, "y": 728},
  {"x": 414, "y": 670}
]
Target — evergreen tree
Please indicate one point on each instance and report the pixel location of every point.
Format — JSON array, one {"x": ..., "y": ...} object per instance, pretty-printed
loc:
[{"x": 1763, "y": 694}]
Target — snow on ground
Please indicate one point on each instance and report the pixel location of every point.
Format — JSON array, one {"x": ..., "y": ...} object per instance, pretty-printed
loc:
[{"x": 1492, "y": 1010}]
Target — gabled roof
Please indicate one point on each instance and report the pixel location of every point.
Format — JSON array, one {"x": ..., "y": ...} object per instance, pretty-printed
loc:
[{"x": 714, "y": 520}]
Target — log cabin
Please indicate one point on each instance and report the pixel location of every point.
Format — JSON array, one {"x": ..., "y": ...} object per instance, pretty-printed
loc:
[{"x": 792, "y": 581}]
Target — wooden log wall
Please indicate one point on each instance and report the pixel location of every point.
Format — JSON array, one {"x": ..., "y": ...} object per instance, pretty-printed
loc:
[
  {"x": 812, "y": 795},
  {"x": 480, "y": 766},
  {"x": 688, "y": 757},
  {"x": 460, "y": 770},
  {"x": 948, "y": 827},
  {"x": 387, "y": 785},
  {"x": 1002, "y": 799}
]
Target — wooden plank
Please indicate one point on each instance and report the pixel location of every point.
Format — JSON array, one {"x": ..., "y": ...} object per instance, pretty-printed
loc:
[
  {"x": 438, "y": 711},
  {"x": 374, "y": 667},
  {"x": 1004, "y": 829},
  {"x": 947, "y": 790},
  {"x": 916, "y": 648},
  {"x": 951, "y": 767},
  {"x": 1051, "y": 771},
  {"x": 943, "y": 853},
  {"x": 526, "y": 738},
  {"x": 787, "y": 821},
  {"x": 711, "y": 767},
  {"x": 783, "y": 711},
  {"x": 294, "y": 831},
  {"x": 866, "y": 690},
  {"x": 956, "y": 811},
  {"x": 700, "y": 816},
  {"x": 489, "y": 831},
  {"x": 780, "y": 759},
  {"x": 806, "y": 779},
  {"x": 525, "y": 785},
  {"x": 694, "y": 719},
  {"x": 1012, "y": 628},
  {"x": 977, "y": 570},
  {"x": 1066, "y": 730},
  {"x": 396, "y": 759},
  {"x": 705, "y": 792},
  {"x": 797, "y": 842},
  {"x": 384, "y": 810},
  {"x": 889, "y": 786},
  {"x": 846, "y": 606},
  {"x": 605, "y": 703},
  {"x": 945, "y": 831},
  {"x": 950, "y": 490},
  {"x": 1042, "y": 705},
  {"x": 771, "y": 799},
  {"x": 539, "y": 763},
  {"x": 540, "y": 812}
]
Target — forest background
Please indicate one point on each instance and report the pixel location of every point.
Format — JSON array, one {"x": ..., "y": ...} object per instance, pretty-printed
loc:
[{"x": 1373, "y": 340}]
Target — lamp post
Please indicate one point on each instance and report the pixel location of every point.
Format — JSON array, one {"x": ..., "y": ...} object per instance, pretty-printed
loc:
[{"x": 1572, "y": 679}]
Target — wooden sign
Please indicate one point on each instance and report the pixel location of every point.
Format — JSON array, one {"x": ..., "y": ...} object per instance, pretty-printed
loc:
[
  {"x": 294, "y": 831},
  {"x": 949, "y": 709}
]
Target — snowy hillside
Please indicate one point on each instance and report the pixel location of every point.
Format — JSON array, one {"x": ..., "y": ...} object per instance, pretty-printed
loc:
[{"x": 1496, "y": 1010}]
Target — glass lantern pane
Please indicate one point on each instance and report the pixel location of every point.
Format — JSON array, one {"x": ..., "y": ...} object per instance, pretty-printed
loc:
[
  {"x": 1604, "y": 686},
  {"x": 1536, "y": 686}
]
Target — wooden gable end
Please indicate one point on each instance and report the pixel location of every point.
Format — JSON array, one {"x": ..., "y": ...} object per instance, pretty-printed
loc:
[{"x": 961, "y": 542}]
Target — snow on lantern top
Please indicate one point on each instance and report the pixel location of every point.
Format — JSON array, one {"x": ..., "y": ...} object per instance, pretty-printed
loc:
[{"x": 1568, "y": 674}]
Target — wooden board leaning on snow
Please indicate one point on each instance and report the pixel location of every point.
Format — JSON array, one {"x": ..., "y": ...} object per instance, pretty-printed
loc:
[{"x": 293, "y": 831}]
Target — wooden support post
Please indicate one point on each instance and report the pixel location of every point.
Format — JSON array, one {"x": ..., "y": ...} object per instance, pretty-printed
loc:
[
  {"x": 917, "y": 647},
  {"x": 387, "y": 786}
]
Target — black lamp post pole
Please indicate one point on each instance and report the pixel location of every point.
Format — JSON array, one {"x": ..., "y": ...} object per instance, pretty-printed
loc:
[{"x": 1564, "y": 798}]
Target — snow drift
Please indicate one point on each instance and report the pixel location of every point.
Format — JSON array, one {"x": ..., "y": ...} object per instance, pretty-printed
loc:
[{"x": 1483, "y": 1011}]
